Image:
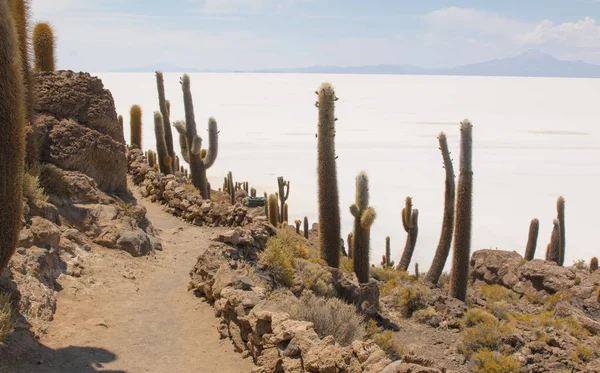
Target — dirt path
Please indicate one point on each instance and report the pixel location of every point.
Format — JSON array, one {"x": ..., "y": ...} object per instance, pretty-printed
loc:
[{"x": 135, "y": 314}]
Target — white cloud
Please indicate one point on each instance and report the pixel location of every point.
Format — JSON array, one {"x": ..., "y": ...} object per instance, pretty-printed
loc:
[{"x": 581, "y": 34}]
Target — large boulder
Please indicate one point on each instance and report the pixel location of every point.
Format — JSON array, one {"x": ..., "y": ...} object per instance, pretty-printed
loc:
[{"x": 78, "y": 128}]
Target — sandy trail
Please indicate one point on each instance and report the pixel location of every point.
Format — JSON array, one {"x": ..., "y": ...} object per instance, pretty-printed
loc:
[{"x": 136, "y": 315}]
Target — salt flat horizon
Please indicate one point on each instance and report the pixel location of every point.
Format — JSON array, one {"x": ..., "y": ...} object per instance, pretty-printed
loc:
[{"x": 534, "y": 139}]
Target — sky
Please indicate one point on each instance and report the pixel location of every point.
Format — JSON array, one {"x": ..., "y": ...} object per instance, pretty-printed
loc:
[{"x": 114, "y": 35}]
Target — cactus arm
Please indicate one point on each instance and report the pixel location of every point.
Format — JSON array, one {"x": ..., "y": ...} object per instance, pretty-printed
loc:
[
  {"x": 183, "y": 143},
  {"x": 165, "y": 111},
  {"x": 213, "y": 143}
]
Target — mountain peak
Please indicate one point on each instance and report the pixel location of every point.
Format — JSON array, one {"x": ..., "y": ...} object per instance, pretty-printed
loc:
[{"x": 532, "y": 54}]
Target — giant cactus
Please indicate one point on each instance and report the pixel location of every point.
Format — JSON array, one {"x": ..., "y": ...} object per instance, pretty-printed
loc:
[
  {"x": 43, "y": 47},
  {"x": 284, "y": 193},
  {"x": 534, "y": 228},
  {"x": 164, "y": 159},
  {"x": 363, "y": 219},
  {"x": 459, "y": 277},
  {"x": 198, "y": 164},
  {"x": 329, "y": 199},
  {"x": 135, "y": 126},
  {"x": 560, "y": 207},
  {"x": 443, "y": 248},
  {"x": 410, "y": 221},
  {"x": 12, "y": 136},
  {"x": 165, "y": 110}
]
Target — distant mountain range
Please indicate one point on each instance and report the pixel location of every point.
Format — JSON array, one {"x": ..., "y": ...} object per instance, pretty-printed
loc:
[{"x": 528, "y": 64}]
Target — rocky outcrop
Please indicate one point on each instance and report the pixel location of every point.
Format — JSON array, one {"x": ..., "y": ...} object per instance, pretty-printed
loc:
[{"x": 77, "y": 127}]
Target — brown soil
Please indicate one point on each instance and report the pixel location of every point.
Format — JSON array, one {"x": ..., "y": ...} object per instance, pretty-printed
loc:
[{"x": 134, "y": 315}]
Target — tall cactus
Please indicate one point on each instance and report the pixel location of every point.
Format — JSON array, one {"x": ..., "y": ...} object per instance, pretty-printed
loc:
[
  {"x": 12, "y": 136},
  {"x": 43, "y": 47},
  {"x": 534, "y": 229},
  {"x": 329, "y": 199},
  {"x": 553, "y": 252},
  {"x": 273, "y": 210},
  {"x": 20, "y": 14},
  {"x": 459, "y": 278},
  {"x": 135, "y": 126},
  {"x": 363, "y": 219},
  {"x": 231, "y": 188},
  {"x": 388, "y": 251},
  {"x": 410, "y": 221},
  {"x": 164, "y": 159},
  {"x": 198, "y": 164},
  {"x": 560, "y": 209},
  {"x": 284, "y": 193},
  {"x": 306, "y": 227},
  {"x": 285, "y": 213},
  {"x": 443, "y": 248},
  {"x": 165, "y": 110}
]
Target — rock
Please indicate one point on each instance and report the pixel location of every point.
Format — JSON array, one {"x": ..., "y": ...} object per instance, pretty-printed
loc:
[
  {"x": 78, "y": 127},
  {"x": 134, "y": 242},
  {"x": 242, "y": 283},
  {"x": 401, "y": 367},
  {"x": 565, "y": 310},
  {"x": 44, "y": 233}
]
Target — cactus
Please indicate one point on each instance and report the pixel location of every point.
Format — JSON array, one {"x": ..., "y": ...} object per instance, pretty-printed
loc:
[
  {"x": 387, "y": 252},
  {"x": 410, "y": 221},
  {"x": 12, "y": 137},
  {"x": 183, "y": 144},
  {"x": 534, "y": 228},
  {"x": 329, "y": 199},
  {"x": 120, "y": 119},
  {"x": 560, "y": 208},
  {"x": 168, "y": 105},
  {"x": 198, "y": 164},
  {"x": 459, "y": 277},
  {"x": 285, "y": 212},
  {"x": 151, "y": 158},
  {"x": 135, "y": 126},
  {"x": 594, "y": 264},
  {"x": 298, "y": 224},
  {"x": 598, "y": 295},
  {"x": 164, "y": 159},
  {"x": 165, "y": 111},
  {"x": 443, "y": 248},
  {"x": 417, "y": 271},
  {"x": 553, "y": 252},
  {"x": 306, "y": 227},
  {"x": 231, "y": 188},
  {"x": 20, "y": 14},
  {"x": 176, "y": 163},
  {"x": 43, "y": 47},
  {"x": 273, "y": 210},
  {"x": 253, "y": 192},
  {"x": 363, "y": 219},
  {"x": 284, "y": 193},
  {"x": 350, "y": 240}
]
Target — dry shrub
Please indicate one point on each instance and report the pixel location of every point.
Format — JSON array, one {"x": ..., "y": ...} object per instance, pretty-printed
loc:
[
  {"x": 412, "y": 299},
  {"x": 482, "y": 330},
  {"x": 314, "y": 276},
  {"x": 330, "y": 316},
  {"x": 384, "y": 339},
  {"x": 7, "y": 325},
  {"x": 52, "y": 180},
  {"x": 426, "y": 316},
  {"x": 190, "y": 188},
  {"x": 32, "y": 190},
  {"x": 280, "y": 253},
  {"x": 497, "y": 293},
  {"x": 486, "y": 361}
]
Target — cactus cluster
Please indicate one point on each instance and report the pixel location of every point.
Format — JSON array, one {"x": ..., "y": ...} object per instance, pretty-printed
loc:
[
  {"x": 329, "y": 199},
  {"x": 12, "y": 136},
  {"x": 364, "y": 216},
  {"x": 165, "y": 111}
]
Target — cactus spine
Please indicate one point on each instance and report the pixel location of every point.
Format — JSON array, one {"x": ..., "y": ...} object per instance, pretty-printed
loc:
[
  {"x": 410, "y": 221},
  {"x": 594, "y": 264},
  {"x": 560, "y": 207},
  {"x": 198, "y": 165},
  {"x": 43, "y": 47},
  {"x": 553, "y": 253},
  {"x": 363, "y": 219},
  {"x": 135, "y": 126},
  {"x": 459, "y": 277},
  {"x": 534, "y": 228},
  {"x": 329, "y": 199},
  {"x": 165, "y": 110},
  {"x": 443, "y": 248},
  {"x": 12, "y": 136},
  {"x": 273, "y": 210},
  {"x": 164, "y": 160},
  {"x": 284, "y": 193},
  {"x": 306, "y": 227}
]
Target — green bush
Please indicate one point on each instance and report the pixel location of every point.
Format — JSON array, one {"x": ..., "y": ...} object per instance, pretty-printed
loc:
[{"x": 412, "y": 299}]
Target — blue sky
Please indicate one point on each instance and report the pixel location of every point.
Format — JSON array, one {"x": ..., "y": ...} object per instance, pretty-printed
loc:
[{"x": 109, "y": 35}]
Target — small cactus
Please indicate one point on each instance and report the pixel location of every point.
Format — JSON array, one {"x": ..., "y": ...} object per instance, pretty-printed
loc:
[
  {"x": 417, "y": 271},
  {"x": 231, "y": 188},
  {"x": 164, "y": 160},
  {"x": 553, "y": 253},
  {"x": 253, "y": 192},
  {"x": 459, "y": 277},
  {"x": 298, "y": 224},
  {"x": 594, "y": 264},
  {"x": 135, "y": 126},
  {"x": 120, "y": 119},
  {"x": 534, "y": 228},
  {"x": 151, "y": 158},
  {"x": 350, "y": 241},
  {"x": 284, "y": 193},
  {"x": 598, "y": 295},
  {"x": 364, "y": 217},
  {"x": 306, "y": 227},
  {"x": 560, "y": 209},
  {"x": 328, "y": 192},
  {"x": 43, "y": 47},
  {"x": 387, "y": 252},
  {"x": 410, "y": 221},
  {"x": 273, "y": 210},
  {"x": 285, "y": 212}
]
